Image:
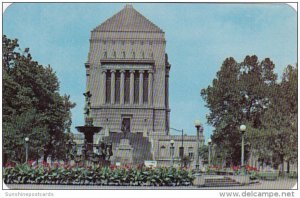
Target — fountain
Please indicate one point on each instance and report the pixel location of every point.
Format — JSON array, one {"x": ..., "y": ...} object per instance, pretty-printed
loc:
[{"x": 104, "y": 149}]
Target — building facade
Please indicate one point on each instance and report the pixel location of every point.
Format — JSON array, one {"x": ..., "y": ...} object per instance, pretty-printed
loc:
[{"x": 127, "y": 74}]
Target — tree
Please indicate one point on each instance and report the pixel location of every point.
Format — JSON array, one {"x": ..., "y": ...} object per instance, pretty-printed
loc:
[
  {"x": 280, "y": 120},
  {"x": 239, "y": 94},
  {"x": 32, "y": 105}
]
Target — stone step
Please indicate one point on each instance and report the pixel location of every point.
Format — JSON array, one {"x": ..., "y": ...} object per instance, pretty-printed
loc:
[
  {"x": 220, "y": 181},
  {"x": 222, "y": 184}
]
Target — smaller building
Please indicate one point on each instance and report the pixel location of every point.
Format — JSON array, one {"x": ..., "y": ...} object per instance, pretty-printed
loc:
[
  {"x": 162, "y": 149},
  {"x": 150, "y": 148}
]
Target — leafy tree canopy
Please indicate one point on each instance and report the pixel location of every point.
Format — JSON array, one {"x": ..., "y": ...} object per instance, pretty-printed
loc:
[
  {"x": 32, "y": 105},
  {"x": 248, "y": 93}
]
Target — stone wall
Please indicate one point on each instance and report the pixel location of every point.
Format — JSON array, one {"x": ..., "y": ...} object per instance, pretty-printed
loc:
[{"x": 112, "y": 118}]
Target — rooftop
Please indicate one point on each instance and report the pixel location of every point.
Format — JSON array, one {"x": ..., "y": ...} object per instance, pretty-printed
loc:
[{"x": 128, "y": 20}]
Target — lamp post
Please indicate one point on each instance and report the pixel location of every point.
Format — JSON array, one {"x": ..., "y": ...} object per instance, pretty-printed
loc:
[
  {"x": 198, "y": 126},
  {"x": 181, "y": 149},
  {"x": 172, "y": 151},
  {"x": 243, "y": 130},
  {"x": 209, "y": 144},
  {"x": 26, "y": 148},
  {"x": 69, "y": 147}
]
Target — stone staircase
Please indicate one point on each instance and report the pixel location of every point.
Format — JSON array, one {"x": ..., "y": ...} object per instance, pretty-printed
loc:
[
  {"x": 141, "y": 145},
  {"x": 220, "y": 181}
]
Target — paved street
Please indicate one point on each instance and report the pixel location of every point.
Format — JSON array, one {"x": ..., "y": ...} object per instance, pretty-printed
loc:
[{"x": 283, "y": 184}]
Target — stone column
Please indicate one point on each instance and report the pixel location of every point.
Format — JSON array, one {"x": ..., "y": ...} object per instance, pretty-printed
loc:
[
  {"x": 141, "y": 87},
  {"x": 103, "y": 87},
  {"x": 122, "y": 83},
  {"x": 150, "y": 87},
  {"x": 113, "y": 86},
  {"x": 131, "y": 86},
  {"x": 167, "y": 90}
]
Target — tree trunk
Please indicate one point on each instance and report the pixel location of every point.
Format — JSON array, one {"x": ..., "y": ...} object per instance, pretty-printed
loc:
[{"x": 288, "y": 167}]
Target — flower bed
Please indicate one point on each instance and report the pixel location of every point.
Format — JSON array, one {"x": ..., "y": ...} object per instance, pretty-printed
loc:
[{"x": 95, "y": 175}]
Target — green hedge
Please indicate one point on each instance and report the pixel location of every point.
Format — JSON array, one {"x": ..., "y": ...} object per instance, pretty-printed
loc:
[
  {"x": 269, "y": 175},
  {"x": 24, "y": 174}
]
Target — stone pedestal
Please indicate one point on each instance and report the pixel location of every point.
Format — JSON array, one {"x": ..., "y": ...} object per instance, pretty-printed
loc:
[{"x": 124, "y": 152}]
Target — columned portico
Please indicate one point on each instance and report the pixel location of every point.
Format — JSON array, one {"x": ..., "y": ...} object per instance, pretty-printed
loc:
[{"x": 109, "y": 81}]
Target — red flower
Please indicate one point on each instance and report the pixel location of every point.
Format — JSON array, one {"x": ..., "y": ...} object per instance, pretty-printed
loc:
[
  {"x": 45, "y": 164},
  {"x": 250, "y": 168},
  {"x": 30, "y": 162},
  {"x": 235, "y": 168},
  {"x": 112, "y": 167},
  {"x": 56, "y": 165},
  {"x": 10, "y": 164},
  {"x": 127, "y": 167}
]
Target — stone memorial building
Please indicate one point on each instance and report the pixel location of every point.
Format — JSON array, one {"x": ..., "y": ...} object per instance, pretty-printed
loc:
[{"x": 127, "y": 73}]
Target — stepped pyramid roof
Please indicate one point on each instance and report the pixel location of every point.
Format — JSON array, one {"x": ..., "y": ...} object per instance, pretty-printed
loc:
[{"x": 128, "y": 20}]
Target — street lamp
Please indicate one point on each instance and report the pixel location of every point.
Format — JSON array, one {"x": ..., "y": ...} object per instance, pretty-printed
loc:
[
  {"x": 26, "y": 148},
  {"x": 198, "y": 126},
  {"x": 172, "y": 151},
  {"x": 243, "y": 130},
  {"x": 69, "y": 147},
  {"x": 209, "y": 145},
  {"x": 181, "y": 149}
]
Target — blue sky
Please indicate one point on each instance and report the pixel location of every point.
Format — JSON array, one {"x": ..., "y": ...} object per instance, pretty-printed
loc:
[{"x": 199, "y": 37}]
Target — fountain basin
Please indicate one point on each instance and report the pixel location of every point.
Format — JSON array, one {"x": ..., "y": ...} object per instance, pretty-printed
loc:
[{"x": 88, "y": 132}]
